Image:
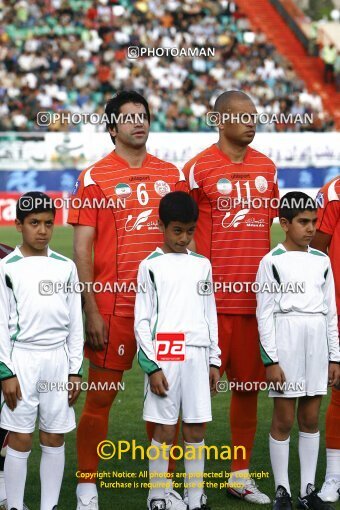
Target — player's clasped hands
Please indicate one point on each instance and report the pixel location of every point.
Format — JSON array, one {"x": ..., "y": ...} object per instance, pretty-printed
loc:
[
  {"x": 12, "y": 392},
  {"x": 158, "y": 383},
  {"x": 96, "y": 330},
  {"x": 276, "y": 376}
]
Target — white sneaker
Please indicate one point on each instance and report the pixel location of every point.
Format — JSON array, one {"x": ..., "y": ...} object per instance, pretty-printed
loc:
[
  {"x": 330, "y": 491},
  {"x": 3, "y": 505},
  {"x": 87, "y": 503},
  {"x": 204, "y": 498},
  {"x": 174, "y": 500},
  {"x": 156, "y": 504},
  {"x": 249, "y": 492}
]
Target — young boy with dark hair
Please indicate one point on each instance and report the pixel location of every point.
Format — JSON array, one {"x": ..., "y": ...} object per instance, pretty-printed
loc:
[
  {"x": 41, "y": 351},
  {"x": 299, "y": 344},
  {"x": 176, "y": 331}
]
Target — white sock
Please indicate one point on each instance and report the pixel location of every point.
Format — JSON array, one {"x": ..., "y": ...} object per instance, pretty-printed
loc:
[
  {"x": 195, "y": 467},
  {"x": 333, "y": 464},
  {"x": 279, "y": 458},
  {"x": 308, "y": 454},
  {"x": 159, "y": 466},
  {"x": 86, "y": 491},
  {"x": 51, "y": 474},
  {"x": 15, "y": 477},
  {"x": 239, "y": 478},
  {"x": 2, "y": 486}
]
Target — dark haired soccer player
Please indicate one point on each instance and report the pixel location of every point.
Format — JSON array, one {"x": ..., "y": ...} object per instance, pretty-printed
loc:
[
  {"x": 41, "y": 333},
  {"x": 233, "y": 185},
  {"x": 327, "y": 239},
  {"x": 175, "y": 303},
  {"x": 299, "y": 344},
  {"x": 118, "y": 221}
]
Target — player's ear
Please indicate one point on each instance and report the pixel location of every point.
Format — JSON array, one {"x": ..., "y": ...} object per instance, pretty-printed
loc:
[
  {"x": 113, "y": 132},
  {"x": 284, "y": 224},
  {"x": 161, "y": 226},
  {"x": 18, "y": 225}
]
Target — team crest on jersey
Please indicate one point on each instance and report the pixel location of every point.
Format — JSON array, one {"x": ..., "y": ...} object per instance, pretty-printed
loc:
[
  {"x": 224, "y": 186},
  {"x": 123, "y": 190},
  {"x": 261, "y": 184},
  {"x": 75, "y": 188},
  {"x": 319, "y": 199},
  {"x": 162, "y": 188}
]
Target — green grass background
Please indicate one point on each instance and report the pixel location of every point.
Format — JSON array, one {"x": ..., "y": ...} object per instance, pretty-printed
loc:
[{"x": 126, "y": 424}]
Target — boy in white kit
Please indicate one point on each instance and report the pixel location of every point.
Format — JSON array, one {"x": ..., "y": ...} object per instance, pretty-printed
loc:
[
  {"x": 176, "y": 331},
  {"x": 299, "y": 344},
  {"x": 41, "y": 351}
]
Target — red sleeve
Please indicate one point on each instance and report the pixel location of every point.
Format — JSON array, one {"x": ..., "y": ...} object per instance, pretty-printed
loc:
[
  {"x": 328, "y": 217},
  {"x": 83, "y": 209},
  {"x": 275, "y": 200}
]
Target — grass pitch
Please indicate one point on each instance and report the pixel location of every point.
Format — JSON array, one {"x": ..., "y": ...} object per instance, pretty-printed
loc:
[{"x": 126, "y": 424}]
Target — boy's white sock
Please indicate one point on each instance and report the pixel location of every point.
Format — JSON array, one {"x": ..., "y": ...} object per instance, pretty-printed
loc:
[
  {"x": 279, "y": 458},
  {"x": 333, "y": 464},
  {"x": 15, "y": 477},
  {"x": 308, "y": 454},
  {"x": 51, "y": 474},
  {"x": 159, "y": 466},
  {"x": 194, "y": 470}
]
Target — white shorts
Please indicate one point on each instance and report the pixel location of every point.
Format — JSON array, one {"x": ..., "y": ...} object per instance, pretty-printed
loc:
[
  {"x": 189, "y": 390},
  {"x": 36, "y": 370},
  {"x": 303, "y": 354}
]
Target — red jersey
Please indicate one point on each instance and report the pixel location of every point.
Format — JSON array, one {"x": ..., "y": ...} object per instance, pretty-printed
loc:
[
  {"x": 328, "y": 201},
  {"x": 236, "y": 211},
  {"x": 125, "y": 215}
]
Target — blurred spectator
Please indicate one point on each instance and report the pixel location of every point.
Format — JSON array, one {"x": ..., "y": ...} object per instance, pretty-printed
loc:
[
  {"x": 328, "y": 55},
  {"x": 72, "y": 56},
  {"x": 337, "y": 71}
]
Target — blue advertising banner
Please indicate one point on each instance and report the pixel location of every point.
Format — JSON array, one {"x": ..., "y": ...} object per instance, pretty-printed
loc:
[{"x": 64, "y": 180}]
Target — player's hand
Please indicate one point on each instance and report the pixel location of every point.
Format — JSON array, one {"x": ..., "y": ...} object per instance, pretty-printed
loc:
[
  {"x": 214, "y": 377},
  {"x": 74, "y": 392},
  {"x": 12, "y": 392},
  {"x": 96, "y": 330},
  {"x": 276, "y": 376},
  {"x": 333, "y": 374},
  {"x": 158, "y": 383}
]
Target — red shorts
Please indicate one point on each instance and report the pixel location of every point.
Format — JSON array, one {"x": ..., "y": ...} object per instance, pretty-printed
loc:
[
  {"x": 121, "y": 348},
  {"x": 240, "y": 348}
]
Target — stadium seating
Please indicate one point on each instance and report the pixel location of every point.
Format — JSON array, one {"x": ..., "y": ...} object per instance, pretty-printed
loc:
[{"x": 72, "y": 56}]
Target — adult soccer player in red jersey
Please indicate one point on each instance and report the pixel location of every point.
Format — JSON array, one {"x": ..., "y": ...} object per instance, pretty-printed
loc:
[
  {"x": 234, "y": 186},
  {"x": 327, "y": 239},
  {"x": 117, "y": 219}
]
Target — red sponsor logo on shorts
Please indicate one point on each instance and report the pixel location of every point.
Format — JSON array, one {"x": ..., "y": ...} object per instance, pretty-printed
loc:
[{"x": 170, "y": 346}]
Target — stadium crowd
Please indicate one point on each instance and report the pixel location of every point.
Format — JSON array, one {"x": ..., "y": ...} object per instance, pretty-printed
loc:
[{"x": 72, "y": 56}]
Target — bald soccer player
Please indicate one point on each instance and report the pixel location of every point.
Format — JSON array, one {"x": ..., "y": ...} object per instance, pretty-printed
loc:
[
  {"x": 234, "y": 185},
  {"x": 327, "y": 239}
]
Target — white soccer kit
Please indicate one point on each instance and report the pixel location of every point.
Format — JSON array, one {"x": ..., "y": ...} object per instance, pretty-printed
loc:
[
  {"x": 41, "y": 333},
  {"x": 178, "y": 299},
  {"x": 298, "y": 328}
]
